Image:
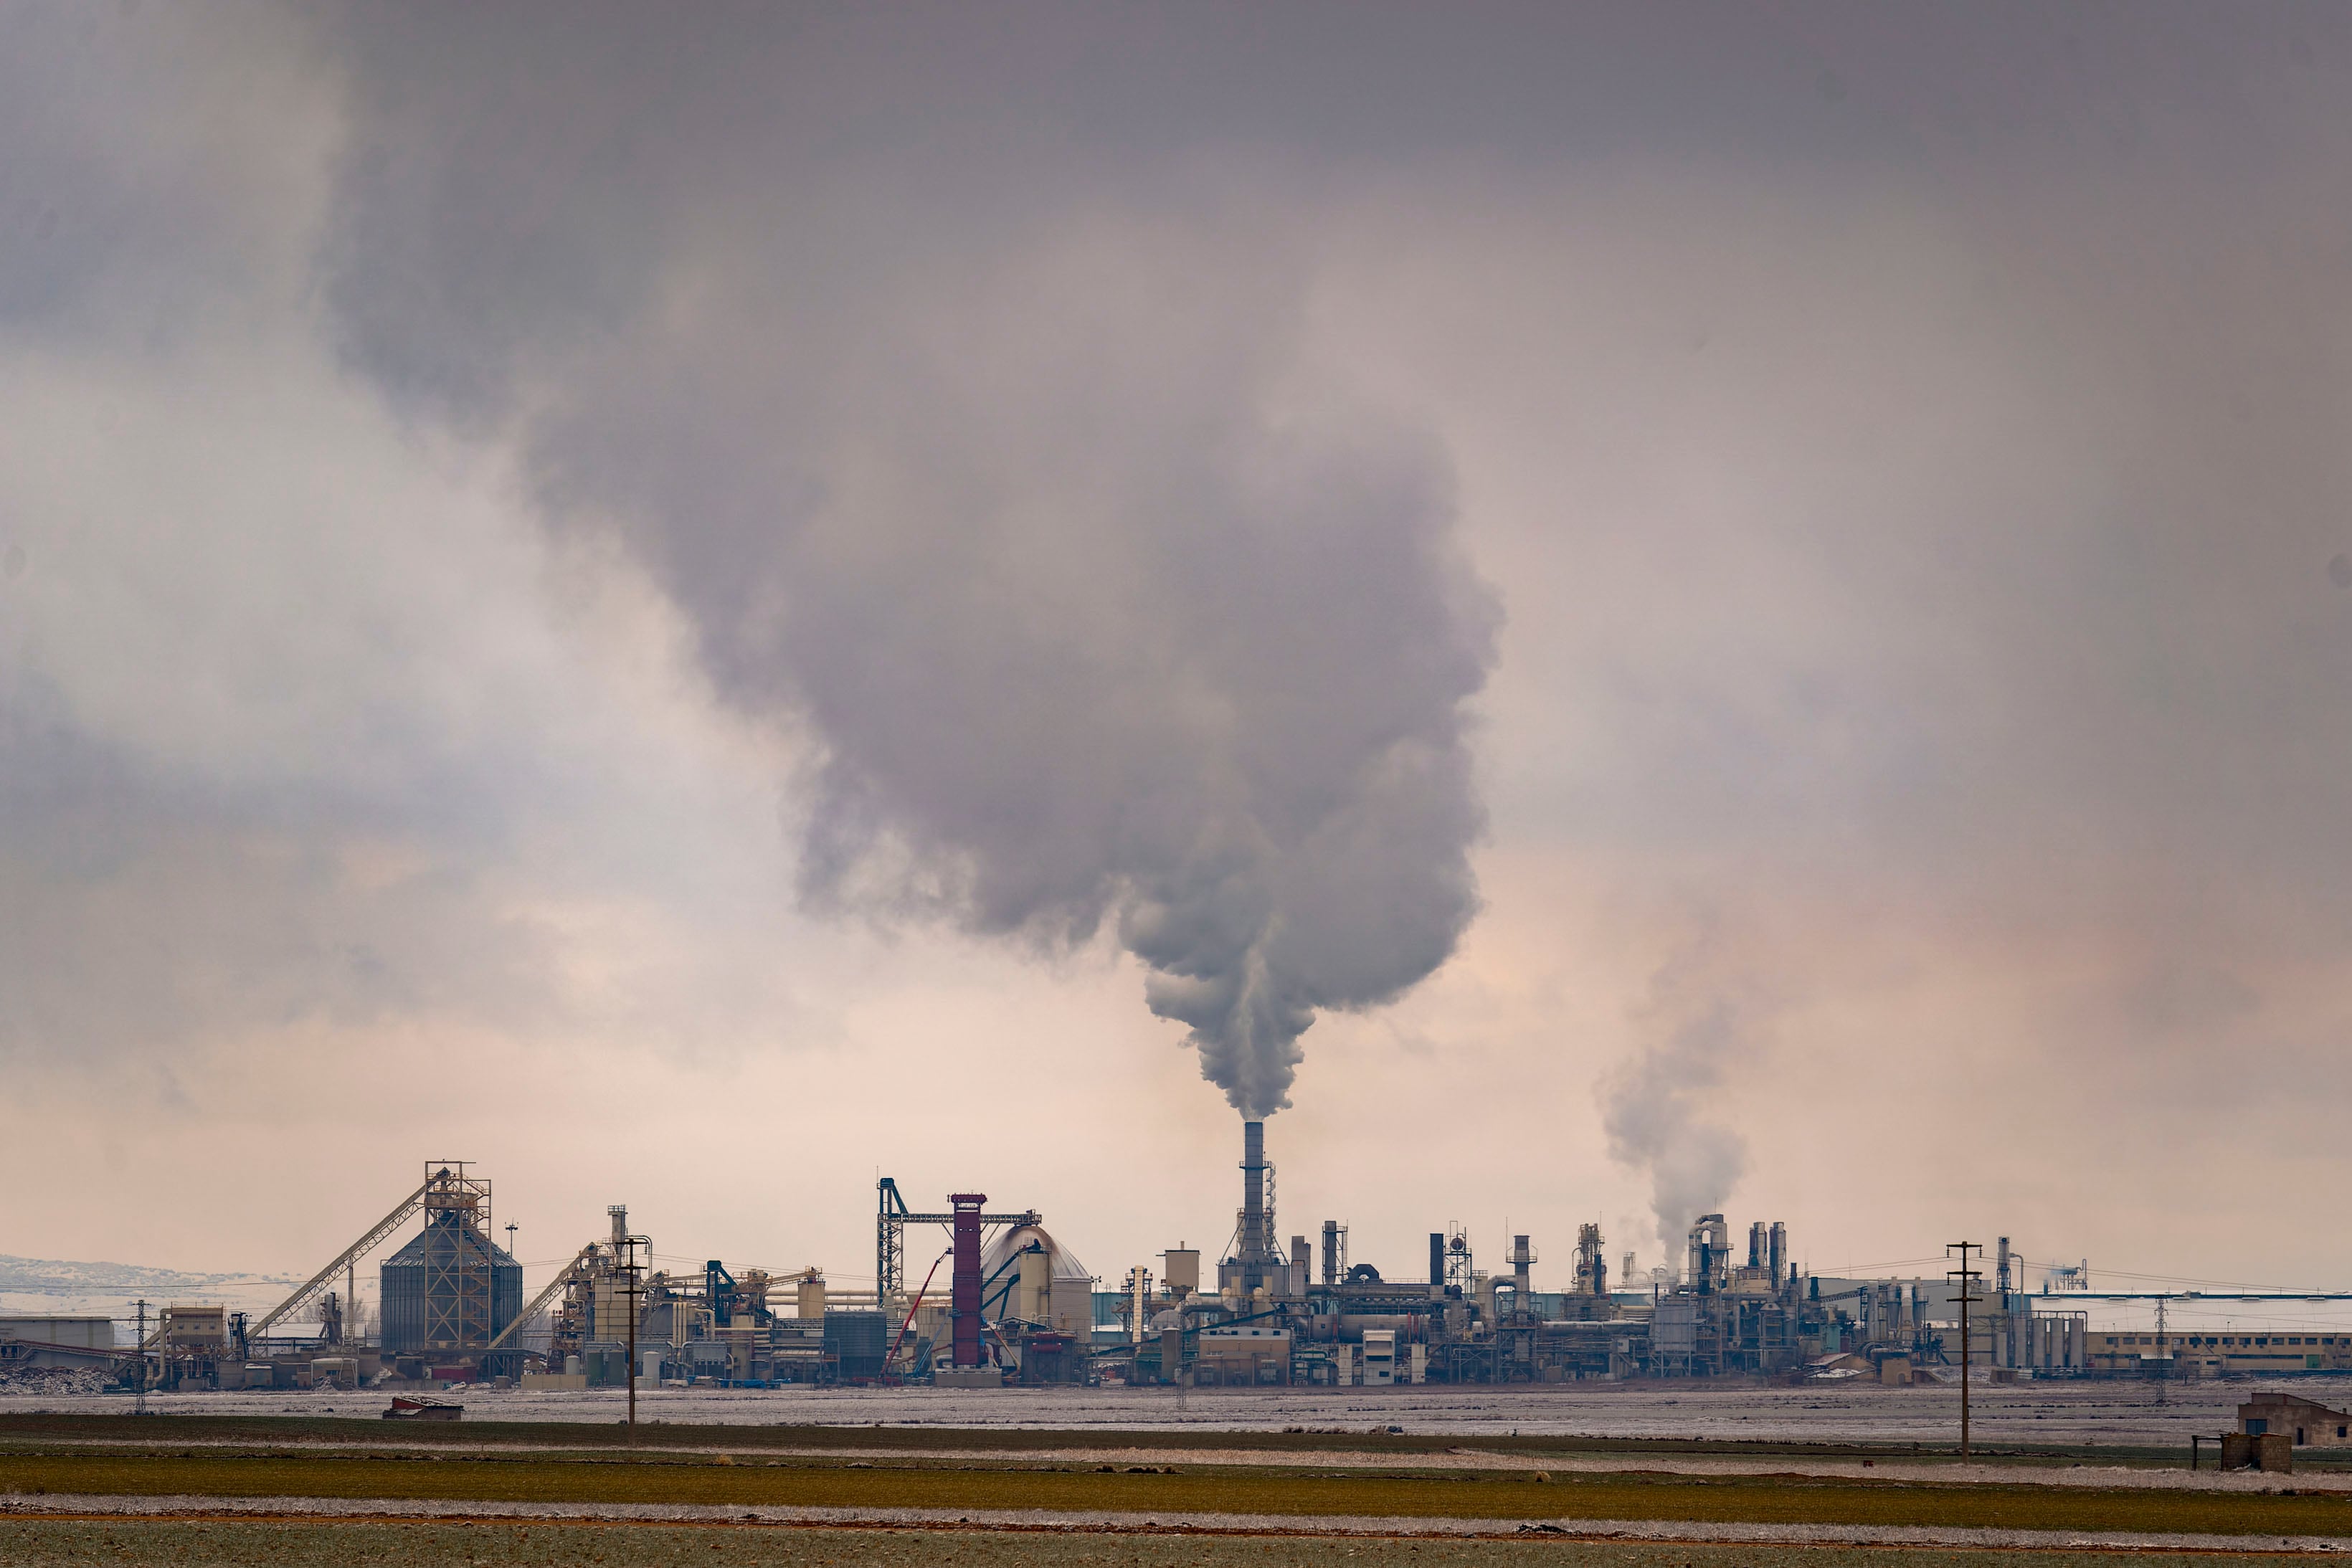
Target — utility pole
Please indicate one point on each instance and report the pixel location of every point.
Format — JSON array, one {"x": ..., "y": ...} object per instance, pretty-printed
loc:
[
  {"x": 1967, "y": 1276},
  {"x": 2163, "y": 1364},
  {"x": 142, "y": 1357},
  {"x": 630, "y": 1289}
]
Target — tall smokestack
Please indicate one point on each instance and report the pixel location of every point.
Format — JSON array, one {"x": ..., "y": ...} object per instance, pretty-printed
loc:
[{"x": 1256, "y": 1248}]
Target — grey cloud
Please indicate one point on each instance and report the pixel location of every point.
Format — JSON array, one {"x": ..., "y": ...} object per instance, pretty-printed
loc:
[
  {"x": 1929, "y": 422},
  {"x": 146, "y": 914},
  {"x": 150, "y": 163},
  {"x": 924, "y": 364}
]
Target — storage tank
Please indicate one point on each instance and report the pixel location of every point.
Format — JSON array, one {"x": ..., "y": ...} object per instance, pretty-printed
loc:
[
  {"x": 1036, "y": 1288},
  {"x": 808, "y": 1302},
  {"x": 1180, "y": 1270}
]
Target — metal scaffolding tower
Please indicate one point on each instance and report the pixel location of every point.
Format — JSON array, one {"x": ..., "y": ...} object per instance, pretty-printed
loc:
[
  {"x": 892, "y": 1218},
  {"x": 458, "y": 1259}
]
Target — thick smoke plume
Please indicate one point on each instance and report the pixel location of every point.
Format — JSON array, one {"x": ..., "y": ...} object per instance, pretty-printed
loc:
[
  {"x": 1656, "y": 1107},
  {"x": 1094, "y": 607}
]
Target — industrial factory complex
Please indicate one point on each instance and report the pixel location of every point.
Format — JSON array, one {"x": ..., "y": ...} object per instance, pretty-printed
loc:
[{"x": 1004, "y": 1302}]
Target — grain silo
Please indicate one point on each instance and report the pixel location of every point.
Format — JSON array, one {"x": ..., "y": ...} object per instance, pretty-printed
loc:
[{"x": 451, "y": 1290}]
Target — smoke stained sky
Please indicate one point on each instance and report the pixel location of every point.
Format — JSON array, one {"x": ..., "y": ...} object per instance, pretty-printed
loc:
[{"x": 549, "y": 561}]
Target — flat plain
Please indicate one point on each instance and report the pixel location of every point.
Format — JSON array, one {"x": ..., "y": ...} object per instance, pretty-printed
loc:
[
  {"x": 2006, "y": 1415},
  {"x": 190, "y": 1487},
  {"x": 219, "y": 1543}
]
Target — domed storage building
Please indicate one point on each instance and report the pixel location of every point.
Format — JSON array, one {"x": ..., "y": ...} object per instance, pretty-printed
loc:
[{"x": 1048, "y": 1287}]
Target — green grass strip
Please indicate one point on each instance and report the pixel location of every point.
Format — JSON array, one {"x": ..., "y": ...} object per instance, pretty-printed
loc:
[{"x": 1749, "y": 1499}]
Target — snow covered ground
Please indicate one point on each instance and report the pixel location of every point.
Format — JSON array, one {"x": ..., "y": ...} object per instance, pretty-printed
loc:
[{"x": 2069, "y": 1413}]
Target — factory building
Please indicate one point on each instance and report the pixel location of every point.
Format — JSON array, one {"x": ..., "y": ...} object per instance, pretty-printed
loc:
[
  {"x": 1005, "y": 1300},
  {"x": 44, "y": 1340},
  {"x": 2304, "y": 1423},
  {"x": 2203, "y": 1355},
  {"x": 1739, "y": 1306}
]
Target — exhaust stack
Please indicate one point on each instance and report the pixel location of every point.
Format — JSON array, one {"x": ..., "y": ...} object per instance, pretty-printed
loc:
[{"x": 1255, "y": 1250}]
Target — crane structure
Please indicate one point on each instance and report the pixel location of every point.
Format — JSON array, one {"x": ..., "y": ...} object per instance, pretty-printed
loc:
[
  {"x": 579, "y": 1269},
  {"x": 459, "y": 1288},
  {"x": 891, "y": 1219},
  {"x": 290, "y": 1308}
]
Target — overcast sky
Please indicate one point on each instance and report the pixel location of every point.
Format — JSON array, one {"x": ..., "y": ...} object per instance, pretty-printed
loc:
[{"x": 1608, "y": 611}]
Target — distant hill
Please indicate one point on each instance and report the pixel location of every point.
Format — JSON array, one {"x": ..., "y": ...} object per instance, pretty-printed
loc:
[{"x": 44, "y": 1285}]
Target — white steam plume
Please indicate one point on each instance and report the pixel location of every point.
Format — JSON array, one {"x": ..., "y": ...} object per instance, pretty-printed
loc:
[
  {"x": 1656, "y": 1107},
  {"x": 1014, "y": 495}
]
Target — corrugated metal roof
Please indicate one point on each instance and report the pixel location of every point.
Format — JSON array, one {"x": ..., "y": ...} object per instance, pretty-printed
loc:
[{"x": 414, "y": 1252}]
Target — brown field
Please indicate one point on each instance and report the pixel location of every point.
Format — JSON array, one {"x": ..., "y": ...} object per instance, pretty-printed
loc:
[
  {"x": 618, "y": 1477},
  {"x": 217, "y": 1543},
  {"x": 241, "y": 1490}
]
